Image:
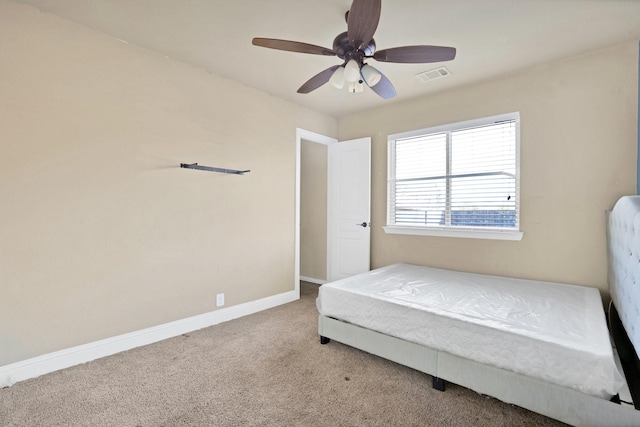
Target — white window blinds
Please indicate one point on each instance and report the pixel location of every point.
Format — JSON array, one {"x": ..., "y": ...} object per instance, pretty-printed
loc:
[{"x": 463, "y": 175}]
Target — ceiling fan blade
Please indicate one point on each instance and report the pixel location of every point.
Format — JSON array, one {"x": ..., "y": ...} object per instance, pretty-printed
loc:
[
  {"x": 384, "y": 88},
  {"x": 318, "y": 80},
  {"x": 362, "y": 21},
  {"x": 292, "y": 46},
  {"x": 416, "y": 54}
]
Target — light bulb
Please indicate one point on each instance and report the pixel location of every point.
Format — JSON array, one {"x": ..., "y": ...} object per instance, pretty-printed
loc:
[
  {"x": 370, "y": 75},
  {"x": 337, "y": 78},
  {"x": 352, "y": 71},
  {"x": 356, "y": 87}
]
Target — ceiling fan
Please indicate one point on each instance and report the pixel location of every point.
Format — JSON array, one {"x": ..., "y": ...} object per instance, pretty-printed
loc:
[{"x": 354, "y": 47}]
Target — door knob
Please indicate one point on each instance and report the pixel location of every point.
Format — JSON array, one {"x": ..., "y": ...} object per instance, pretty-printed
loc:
[{"x": 363, "y": 225}]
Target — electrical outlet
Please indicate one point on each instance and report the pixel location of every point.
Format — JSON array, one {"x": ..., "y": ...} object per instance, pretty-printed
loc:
[{"x": 219, "y": 300}]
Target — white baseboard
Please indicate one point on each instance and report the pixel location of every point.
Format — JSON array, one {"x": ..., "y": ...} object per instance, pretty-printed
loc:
[
  {"x": 40, "y": 365},
  {"x": 313, "y": 280}
]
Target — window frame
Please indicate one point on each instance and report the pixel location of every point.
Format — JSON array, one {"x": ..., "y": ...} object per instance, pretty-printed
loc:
[{"x": 493, "y": 233}]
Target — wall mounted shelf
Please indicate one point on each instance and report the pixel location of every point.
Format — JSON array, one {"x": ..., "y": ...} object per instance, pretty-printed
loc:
[{"x": 212, "y": 169}]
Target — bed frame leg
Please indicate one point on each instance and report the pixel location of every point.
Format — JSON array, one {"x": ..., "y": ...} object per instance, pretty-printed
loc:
[
  {"x": 324, "y": 340},
  {"x": 438, "y": 383}
]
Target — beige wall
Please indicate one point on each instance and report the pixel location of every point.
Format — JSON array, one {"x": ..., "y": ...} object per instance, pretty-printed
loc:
[
  {"x": 313, "y": 210},
  {"x": 578, "y": 156},
  {"x": 101, "y": 232}
]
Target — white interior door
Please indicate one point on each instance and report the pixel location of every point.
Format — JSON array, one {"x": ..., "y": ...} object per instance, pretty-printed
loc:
[{"x": 349, "y": 208}]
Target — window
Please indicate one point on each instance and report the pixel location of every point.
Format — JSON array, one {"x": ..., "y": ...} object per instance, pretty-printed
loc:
[{"x": 459, "y": 180}]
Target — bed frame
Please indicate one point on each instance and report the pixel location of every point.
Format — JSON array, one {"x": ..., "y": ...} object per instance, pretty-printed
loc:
[{"x": 561, "y": 403}]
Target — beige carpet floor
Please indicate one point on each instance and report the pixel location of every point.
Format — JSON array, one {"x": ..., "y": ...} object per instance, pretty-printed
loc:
[{"x": 267, "y": 369}]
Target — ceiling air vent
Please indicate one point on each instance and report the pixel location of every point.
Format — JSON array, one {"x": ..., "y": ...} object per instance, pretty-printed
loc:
[{"x": 436, "y": 73}]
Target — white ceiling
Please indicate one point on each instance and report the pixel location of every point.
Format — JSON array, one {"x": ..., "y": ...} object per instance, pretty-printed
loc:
[{"x": 492, "y": 37}]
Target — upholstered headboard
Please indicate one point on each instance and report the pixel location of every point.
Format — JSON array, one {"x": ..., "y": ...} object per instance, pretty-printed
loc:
[{"x": 623, "y": 241}]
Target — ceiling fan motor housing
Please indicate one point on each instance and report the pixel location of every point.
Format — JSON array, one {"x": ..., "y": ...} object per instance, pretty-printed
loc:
[{"x": 345, "y": 51}]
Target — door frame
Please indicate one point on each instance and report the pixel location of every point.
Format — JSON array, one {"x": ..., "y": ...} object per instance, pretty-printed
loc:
[{"x": 302, "y": 134}]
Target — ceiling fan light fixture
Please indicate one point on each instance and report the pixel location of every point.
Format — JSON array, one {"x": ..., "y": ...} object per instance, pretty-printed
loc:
[
  {"x": 356, "y": 87},
  {"x": 337, "y": 78},
  {"x": 352, "y": 71},
  {"x": 370, "y": 75}
]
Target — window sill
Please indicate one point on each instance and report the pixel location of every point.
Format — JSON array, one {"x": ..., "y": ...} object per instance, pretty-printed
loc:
[{"x": 462, "y": 233}]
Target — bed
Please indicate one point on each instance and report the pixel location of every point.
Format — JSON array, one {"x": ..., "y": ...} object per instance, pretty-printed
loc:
[{"x": 543, "y": 346}]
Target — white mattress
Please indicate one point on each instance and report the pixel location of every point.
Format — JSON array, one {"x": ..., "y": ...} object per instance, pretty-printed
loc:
[{"x": 550, "y": 331}]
